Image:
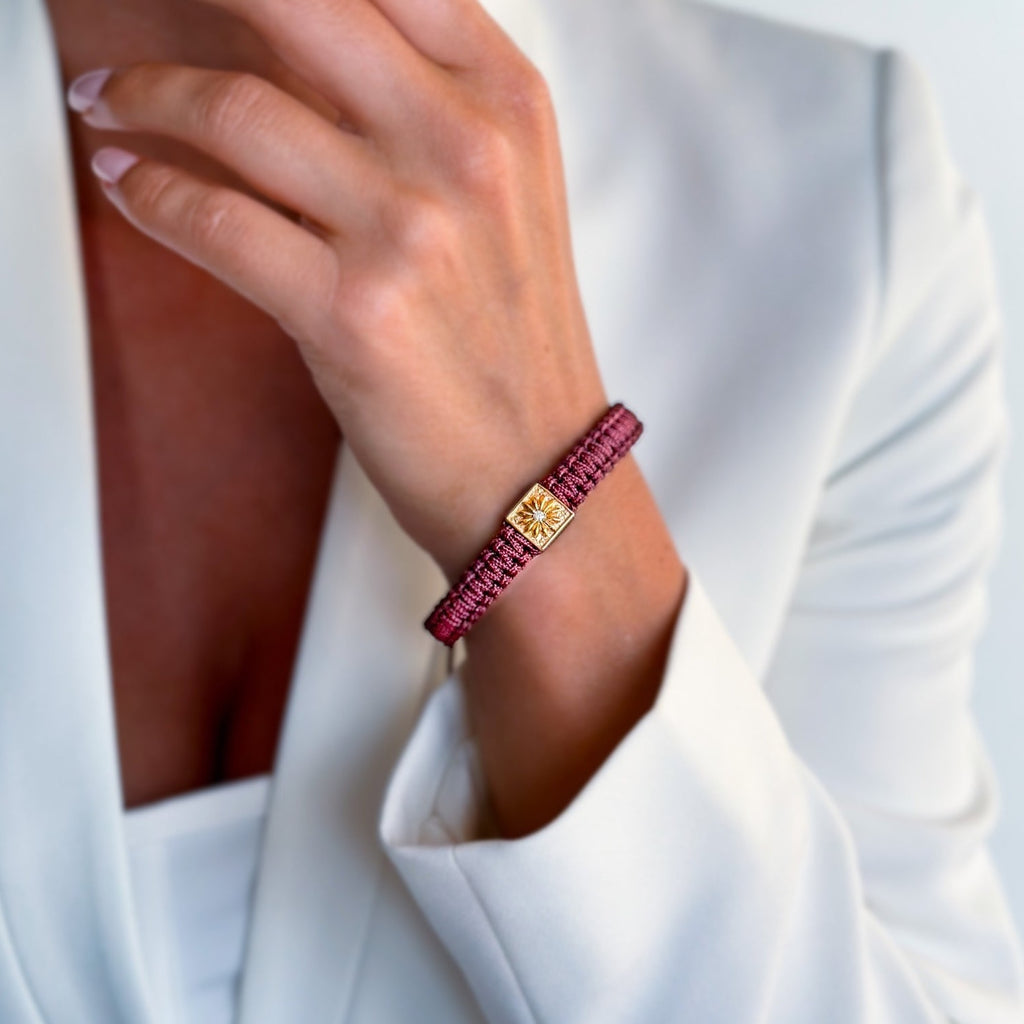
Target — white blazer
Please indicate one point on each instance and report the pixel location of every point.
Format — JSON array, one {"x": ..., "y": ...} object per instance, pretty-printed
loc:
[{"x": 790, "y": 285}]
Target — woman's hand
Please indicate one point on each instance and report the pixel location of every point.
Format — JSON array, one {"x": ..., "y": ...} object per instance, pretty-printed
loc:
[{"x": 417, "y": 251}]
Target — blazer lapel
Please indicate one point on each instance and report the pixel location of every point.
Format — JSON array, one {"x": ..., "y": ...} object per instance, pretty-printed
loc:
[
  {"x": 65, "y": 903},
  {"x": 68, "y": 950},
  {"x": 364, "y": 660},
  {"x": 365, "y": 664}
]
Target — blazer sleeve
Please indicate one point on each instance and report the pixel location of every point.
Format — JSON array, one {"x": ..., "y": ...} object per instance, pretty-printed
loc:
[{"x": 809, "y": 846}]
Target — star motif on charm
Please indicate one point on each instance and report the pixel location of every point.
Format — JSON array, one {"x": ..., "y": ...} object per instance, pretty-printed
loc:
[{"x": 539, "y": 516}]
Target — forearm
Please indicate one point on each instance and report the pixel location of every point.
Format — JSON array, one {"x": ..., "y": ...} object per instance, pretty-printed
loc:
[{"x": 572, "y": 654}]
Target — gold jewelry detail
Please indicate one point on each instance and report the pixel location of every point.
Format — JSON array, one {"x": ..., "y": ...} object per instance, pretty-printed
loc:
[{"x": 539, "y": 516}]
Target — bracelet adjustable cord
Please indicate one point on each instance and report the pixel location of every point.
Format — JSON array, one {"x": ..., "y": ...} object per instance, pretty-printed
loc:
[{"x": 539, "y": 516}]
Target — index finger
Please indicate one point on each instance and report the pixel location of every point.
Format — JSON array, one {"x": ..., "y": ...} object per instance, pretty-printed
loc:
[{"x": 349, "y": 51}]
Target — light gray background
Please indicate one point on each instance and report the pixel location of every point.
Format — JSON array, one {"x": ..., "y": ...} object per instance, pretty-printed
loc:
[{"x": 973, "y": 51}]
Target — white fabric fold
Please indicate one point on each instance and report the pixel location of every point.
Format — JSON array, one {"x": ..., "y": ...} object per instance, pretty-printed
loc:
[{"x": 703, "y": 873}]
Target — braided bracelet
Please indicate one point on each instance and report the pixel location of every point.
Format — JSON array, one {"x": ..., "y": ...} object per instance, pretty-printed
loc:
[{"x": 534, "y": 522}]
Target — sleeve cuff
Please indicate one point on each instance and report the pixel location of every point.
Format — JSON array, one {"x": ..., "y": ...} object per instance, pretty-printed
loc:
[
  {"x": 702, "y": 792},
  {"x": 437, "y": 795}
]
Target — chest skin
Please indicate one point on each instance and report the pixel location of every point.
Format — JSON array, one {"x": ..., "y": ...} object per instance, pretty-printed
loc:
[{"x": 215, "y": 456}]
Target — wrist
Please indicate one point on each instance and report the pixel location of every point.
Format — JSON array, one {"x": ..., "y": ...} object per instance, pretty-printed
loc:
[
  {"x": 480, "y": 505},
  {"x": 535, "y": 522},
  {"x": 616, "y": 568},
  {"x": 574, "y": 653}
]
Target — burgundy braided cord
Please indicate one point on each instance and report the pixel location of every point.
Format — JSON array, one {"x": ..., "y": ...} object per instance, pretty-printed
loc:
[
  {"x": 575, "y": 476},
  {"x": 593, "y": 456}
]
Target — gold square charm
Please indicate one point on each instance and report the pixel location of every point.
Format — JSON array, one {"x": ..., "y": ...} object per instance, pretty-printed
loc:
[{"x": 539, "y": 516}]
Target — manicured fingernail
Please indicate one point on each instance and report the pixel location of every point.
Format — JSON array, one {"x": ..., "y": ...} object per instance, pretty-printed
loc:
[
  {"x": 82, "y": 92},
  {"x": 110, "y": 163}
]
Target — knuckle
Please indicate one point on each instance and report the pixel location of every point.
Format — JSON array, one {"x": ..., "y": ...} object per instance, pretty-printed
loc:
[
  {"x": 149, "y": 189},
  {"x": 159, "y": 195},
  {"x": 375, "y": 306},
  {"x": 420, "y": 227},
  {"x": 211, "y": 220},
  {"x": 527, "y": 97},
  {"x": 485, "y": 157},
  {"x": 230, "y": 101}
]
